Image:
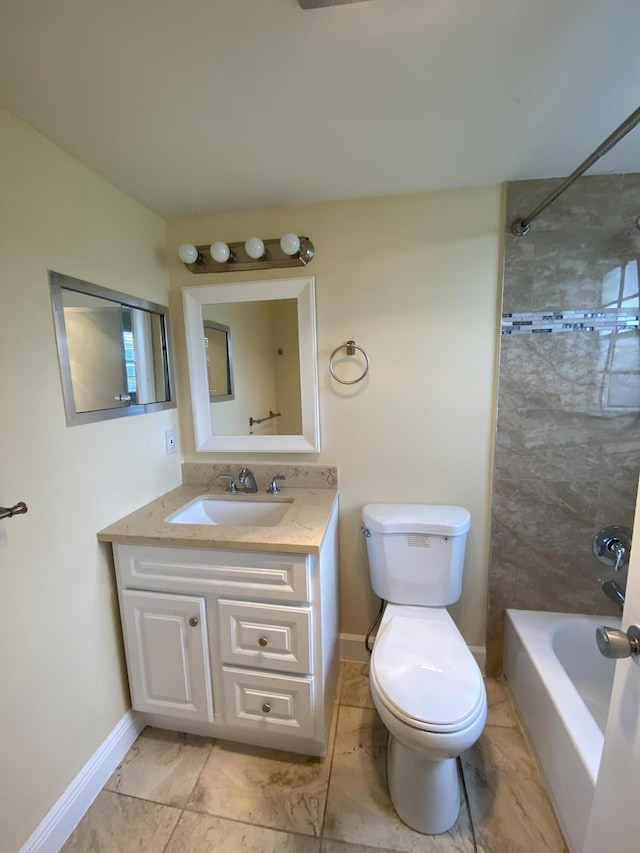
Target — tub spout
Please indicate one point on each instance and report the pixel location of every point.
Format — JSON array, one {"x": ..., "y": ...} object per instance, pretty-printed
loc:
[{"x": 615, "y": 592}]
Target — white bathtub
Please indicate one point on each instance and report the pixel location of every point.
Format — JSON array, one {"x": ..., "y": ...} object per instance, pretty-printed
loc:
[{"x": 561, "y": 688}]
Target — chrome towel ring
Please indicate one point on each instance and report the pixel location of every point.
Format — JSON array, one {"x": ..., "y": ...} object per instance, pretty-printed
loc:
[{"x": 351, "y": 347}]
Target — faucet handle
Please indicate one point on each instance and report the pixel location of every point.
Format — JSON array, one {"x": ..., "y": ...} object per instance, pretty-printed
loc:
[
  {"x": 612, "y": 546},
  {"x": 232, "y": 483},
  {"x": 272, "y": 488}
]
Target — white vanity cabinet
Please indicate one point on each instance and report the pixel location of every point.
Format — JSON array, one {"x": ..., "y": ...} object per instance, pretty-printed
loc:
[{"x": 236, "y": 644}]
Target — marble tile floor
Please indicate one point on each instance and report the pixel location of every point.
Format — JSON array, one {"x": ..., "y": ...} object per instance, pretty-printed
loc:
[{"x": 177, "y": 793}]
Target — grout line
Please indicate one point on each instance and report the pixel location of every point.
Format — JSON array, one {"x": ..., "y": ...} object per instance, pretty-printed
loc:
[
  {"x": 241, "y": 822},
  {"x": 143, "y": 799},
  {"x": 336, "y": 710},
  {"x": 204, "y": 764},
  {"x": 465, "y": 794},
  {"x": 171, "y": 834}
]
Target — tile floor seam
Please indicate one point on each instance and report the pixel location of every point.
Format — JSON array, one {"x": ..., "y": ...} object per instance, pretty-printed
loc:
[
  {"x": 337, "y": 707},
  {"x": 171, "y": 834},
  {"x": 304, "y": 835},
  {"x": 465, "y": 795},
  {"x": 204, "y": 764},
  {"x": 144, "y": 800}
]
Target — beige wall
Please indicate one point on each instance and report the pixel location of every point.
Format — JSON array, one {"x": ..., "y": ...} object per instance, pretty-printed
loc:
[
  {"x": 414, "y": 280},
  {"x": 62, "y": 682}
]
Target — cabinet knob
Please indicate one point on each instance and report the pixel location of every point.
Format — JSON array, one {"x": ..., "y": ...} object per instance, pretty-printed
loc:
[
  {"x": 193, "y": 621},
  {"x": 266, "y": 707},
  {"x": 263, "y": 642}
]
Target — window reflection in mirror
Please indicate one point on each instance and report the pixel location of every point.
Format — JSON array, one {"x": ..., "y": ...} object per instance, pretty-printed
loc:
[
  {"x": 267, "y": 367},
  {"x": 112, "y": 349}
]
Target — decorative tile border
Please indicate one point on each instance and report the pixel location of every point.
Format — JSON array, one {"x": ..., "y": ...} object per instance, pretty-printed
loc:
[{"x": 581, "y": 320}]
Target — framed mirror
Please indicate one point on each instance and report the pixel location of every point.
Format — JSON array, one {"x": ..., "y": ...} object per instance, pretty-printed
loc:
[
  {"x": 113, "y": 351},
  {"x": 273, "y": 404}
]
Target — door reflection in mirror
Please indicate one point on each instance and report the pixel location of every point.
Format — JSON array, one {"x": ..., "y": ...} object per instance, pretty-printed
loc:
[
  {"x": 113, "y": 351},
  {"x": 217, "y": 353}
]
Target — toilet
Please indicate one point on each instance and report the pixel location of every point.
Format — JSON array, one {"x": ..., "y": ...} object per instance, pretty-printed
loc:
[{"x": 425, "y": 683}]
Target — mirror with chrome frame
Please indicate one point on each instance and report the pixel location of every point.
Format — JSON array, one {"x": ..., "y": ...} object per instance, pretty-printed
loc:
[
  {"x": 113, "y": 351},
  {"x": 275, "y": 378},
  {"x": 217, "y": 348}
]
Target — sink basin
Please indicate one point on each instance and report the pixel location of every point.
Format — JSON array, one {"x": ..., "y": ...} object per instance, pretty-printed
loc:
[{"x": 234, "y": 512}]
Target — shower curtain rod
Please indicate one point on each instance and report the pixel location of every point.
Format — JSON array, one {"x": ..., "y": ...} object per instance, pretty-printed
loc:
[{"x": 521, "y": 226}]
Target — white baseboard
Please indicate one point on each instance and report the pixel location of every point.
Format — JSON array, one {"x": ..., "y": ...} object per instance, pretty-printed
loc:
[
  {"x": 71, "y": 807},
  {"x": 480, "y": 655},
  {"x": 352, "y": 649}
]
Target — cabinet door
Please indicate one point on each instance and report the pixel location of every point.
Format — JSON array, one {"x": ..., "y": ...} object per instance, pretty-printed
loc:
[{"x": 167, "y": 654}]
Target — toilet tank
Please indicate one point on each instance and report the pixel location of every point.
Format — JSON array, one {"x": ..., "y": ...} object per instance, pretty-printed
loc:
[{"x": 416, "y": 552}]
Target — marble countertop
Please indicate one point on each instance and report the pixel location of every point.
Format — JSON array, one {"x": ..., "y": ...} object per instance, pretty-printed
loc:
[{"x": 301, "y": 531}]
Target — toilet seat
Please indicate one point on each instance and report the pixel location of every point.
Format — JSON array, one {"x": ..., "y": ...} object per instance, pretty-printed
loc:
[{"x": 425, "y": 673}]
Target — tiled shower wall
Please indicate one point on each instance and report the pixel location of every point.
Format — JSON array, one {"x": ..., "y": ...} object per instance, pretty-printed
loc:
[{"x": 568, "y": 433}]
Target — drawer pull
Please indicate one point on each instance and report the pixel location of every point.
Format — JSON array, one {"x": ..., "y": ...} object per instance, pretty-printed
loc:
[
  {"x": 263, "y": 642},
  {"x": 193, "y": 622},
  {"x": 266, "y": 707}
]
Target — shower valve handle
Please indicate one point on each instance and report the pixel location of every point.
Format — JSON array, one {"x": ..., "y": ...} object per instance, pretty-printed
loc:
[{"x": 613, "y": 643}]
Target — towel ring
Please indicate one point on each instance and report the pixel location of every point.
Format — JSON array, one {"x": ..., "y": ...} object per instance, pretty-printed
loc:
[{"x": 351, "y": 347}]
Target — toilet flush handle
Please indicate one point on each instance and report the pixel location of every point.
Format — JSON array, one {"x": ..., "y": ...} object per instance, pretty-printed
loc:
[{"x": 365, "y": 531}]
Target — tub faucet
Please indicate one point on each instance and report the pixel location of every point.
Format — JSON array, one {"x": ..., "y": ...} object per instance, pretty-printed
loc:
[
  {"x": 615, "y": 592},
  {"x": 246, "y": 479}
]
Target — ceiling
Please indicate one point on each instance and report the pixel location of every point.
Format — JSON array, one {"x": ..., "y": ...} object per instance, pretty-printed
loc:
[{"x": 198, "y": 106}]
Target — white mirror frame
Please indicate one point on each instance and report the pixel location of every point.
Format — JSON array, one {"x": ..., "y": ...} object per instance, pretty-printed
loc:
[{"x": 301, "y": 289}]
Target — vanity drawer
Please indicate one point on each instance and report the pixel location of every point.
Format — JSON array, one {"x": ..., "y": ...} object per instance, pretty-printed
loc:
[
  {"x": 265, "y": 701},
  {"x": 265, "y": 636},
  {"x": 250, "y": 574}
]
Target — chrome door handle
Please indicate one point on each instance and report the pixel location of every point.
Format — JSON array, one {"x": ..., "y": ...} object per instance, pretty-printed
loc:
[
  {"x": 613, "y": 643},
  {"x": 9, "y": 511}
]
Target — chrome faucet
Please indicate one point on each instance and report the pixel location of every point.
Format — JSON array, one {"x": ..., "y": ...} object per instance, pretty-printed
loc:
[
  {"x": 612, "y": 546},
  {"x": 246, "y": 479},
  {"x": 615, "y": 592}
]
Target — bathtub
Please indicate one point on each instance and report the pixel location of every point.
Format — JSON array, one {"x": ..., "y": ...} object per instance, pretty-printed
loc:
[{"x": 561, "y": 687}]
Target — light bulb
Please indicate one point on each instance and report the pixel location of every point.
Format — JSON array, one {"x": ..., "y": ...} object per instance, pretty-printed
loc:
[
  {"x": 290, "y": 244},
  {"x": 254, "y": 247},
  {"x": 188, "y": 253},
  {"x": 220, "y": 252}
]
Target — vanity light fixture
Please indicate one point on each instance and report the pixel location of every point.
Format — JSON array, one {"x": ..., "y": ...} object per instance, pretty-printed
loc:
[{"x": 253, "y": 254}]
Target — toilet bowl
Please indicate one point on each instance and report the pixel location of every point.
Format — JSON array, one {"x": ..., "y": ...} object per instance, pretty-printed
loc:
[
  {"x": 425, "y": 683},
  {"x": 430, "y": 695}
]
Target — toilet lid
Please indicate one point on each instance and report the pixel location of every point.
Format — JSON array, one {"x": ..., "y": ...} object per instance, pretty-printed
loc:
[{"x": 426, "y": 673}]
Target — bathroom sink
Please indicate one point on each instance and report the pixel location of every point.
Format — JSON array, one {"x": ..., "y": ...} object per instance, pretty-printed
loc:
[{"x": 234, "y": 512}]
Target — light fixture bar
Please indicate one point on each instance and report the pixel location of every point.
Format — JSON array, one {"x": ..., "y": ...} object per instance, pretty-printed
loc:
[
  {"x": 319, "y": 4},
  {"x": 240, "y": 261}
]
